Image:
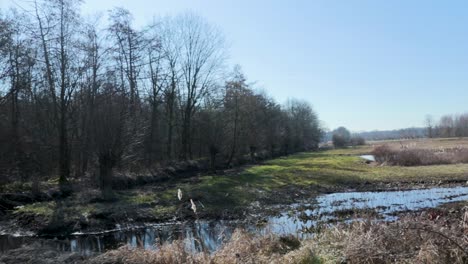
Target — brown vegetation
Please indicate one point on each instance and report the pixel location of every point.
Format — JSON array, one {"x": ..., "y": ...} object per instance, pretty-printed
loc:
[
  {"x": 434, "y": 236},
  {"x": 242, "y": 248},
  {"x": 406, "y": 156},
  {"x": 431, "y": 236},
  {"x": 424, "y": 239}
]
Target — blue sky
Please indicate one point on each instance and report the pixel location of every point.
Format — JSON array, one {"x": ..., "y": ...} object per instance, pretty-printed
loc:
[{"x": 363, "y": 64}]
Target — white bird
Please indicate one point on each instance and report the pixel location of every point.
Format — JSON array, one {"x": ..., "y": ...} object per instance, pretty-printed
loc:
[
  {"x": 194, "y": 207},
  {"x": 179, "y": 194}
]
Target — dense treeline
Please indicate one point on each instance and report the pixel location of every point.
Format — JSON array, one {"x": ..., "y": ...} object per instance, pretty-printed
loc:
[
  {"x": 78, "y": 96},
  {"x": 447, "y": 126}
]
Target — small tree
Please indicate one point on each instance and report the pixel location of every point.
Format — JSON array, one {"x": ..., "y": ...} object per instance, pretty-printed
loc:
[
  {"x": 341, "y": 137},
  {"x": 113, "y": 134},
  {"x": 429, "y": 122}
]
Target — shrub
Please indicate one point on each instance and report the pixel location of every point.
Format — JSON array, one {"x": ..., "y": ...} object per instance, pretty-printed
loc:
[
  {"x": 420, "y": 157},
  {"x": 341, "y": 137},
  {"x": 339, "y": 141},
  {"x": 410, "y": 240},
  {"x": 383, "y": 153},
  {"x": 357, "y": 141}
]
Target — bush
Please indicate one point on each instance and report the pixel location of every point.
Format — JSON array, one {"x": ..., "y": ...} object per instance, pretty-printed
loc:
[
  {"x": 341, "y": 137},
  {"x": 339, "y": 141},
  {"x": 357, "y": 141},
  {"x": 383, "y": 153},
  {"x": 409, "y": 240}
]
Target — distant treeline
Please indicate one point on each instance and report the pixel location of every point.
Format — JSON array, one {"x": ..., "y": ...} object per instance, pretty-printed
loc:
[
  {"x": 447, "y": 126},
  {"x": 405, "y": 133},
  {"x": 79, "y": 94}
]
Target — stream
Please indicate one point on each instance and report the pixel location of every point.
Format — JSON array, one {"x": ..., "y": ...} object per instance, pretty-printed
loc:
[{"x": 297, "y": 220}]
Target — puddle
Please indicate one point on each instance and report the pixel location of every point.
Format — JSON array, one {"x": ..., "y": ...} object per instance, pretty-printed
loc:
[
  {"x": 209, "y": 235},
  {"x": 386, "y": 204},
  {"x": 368, "y": 157}
]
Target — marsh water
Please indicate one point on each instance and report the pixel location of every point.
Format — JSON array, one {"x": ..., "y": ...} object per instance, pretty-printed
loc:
[
  {"x": 368, "y": 157},
  {"x": 298, "y": 219}
]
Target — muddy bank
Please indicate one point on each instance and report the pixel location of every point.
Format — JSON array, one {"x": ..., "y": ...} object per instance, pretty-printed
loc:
[
  {"x": 41, "y": 253},
  {"x": 300, "y": 219},
  {"x": 423, "y": 222},
  {"x": 249, "y": 191},
  {"x": 69, "y": 213},
  {"x": 66, "y": 217}
]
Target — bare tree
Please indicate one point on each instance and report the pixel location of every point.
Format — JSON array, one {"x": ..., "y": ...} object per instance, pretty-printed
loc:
[
  {"x": 87, "y": 95},
  {"x": 57, "y": 22},
  {"x": 429, "y": 122},
  {"x": 212, "y": 123},
  {"x": 447, "y": 126},
  {"x": 113, "y": 136},
  {"x": 170, "y": 47},
  {"x": 235, "y": 90},
  {"x": 94, "y": 58},
  {"x": 130, "y": 44},
  {"x": 202, "y": 55},
  {"x": 110, "y": 127},
  {"x": 157, "y": 82}
]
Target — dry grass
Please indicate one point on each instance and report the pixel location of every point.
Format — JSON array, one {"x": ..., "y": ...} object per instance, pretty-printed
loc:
[
  {"x": 407, "y": 156},
  {"x": 422, "y": 143},
  {"x": 243, "y": 247},
  {"x": 412, "y": 240},
  {"x": 431, "y": 237}
]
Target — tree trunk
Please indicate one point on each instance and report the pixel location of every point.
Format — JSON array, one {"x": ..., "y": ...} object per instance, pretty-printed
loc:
[
  {"x": 186, "y": 133},
  {"x": 170, "y": 127},
  {"x": 15, "y": 118},
  {"x": 106, "y": 165},
  {"x": 213, "y": 153},
  {"x": 234, "y": 137},
  {"x": 252, "y": 153},
  {"x": 64, "y": 161}
]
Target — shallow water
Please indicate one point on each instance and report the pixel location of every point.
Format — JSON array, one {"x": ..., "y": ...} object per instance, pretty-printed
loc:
[
  {"x": 209, "y": 235},
  {"x": 368, "y": 157},
  {"x": 386, "y": 204}
]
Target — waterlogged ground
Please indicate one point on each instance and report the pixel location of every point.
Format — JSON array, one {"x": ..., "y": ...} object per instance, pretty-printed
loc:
[
  {"x": 289, "y": 195},
  {"x": 356, "y": 206},
  {"x": 300, "y": 220}
]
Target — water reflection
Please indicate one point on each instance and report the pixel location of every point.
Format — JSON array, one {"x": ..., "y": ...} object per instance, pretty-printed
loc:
[
  {"x": 209, "y": 235},
  {"x": 385, "y": 204},
  {"x": 198, "y": 236},
  {"x": 368, "y": 157}
]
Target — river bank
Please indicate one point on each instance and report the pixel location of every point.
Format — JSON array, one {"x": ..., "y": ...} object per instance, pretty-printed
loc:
[
  {"x": 254, "y": 190},
  {"x": 431, "y": 235}
]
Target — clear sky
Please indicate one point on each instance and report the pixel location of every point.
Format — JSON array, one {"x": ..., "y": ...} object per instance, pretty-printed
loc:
[{"x": 366, "y": 65}]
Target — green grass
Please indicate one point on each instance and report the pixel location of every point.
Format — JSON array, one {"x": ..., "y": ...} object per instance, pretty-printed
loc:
[
  {"x": 42, "y": 208},
  {"x": 358, "y": 150},
  {"x": 334, "y": 168},
  {"x": 139, "y": 198},
  {"x": 19, "y": 186},
  {"x": 49, "y": 208},
  {"x": 164, "y": 210}
]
